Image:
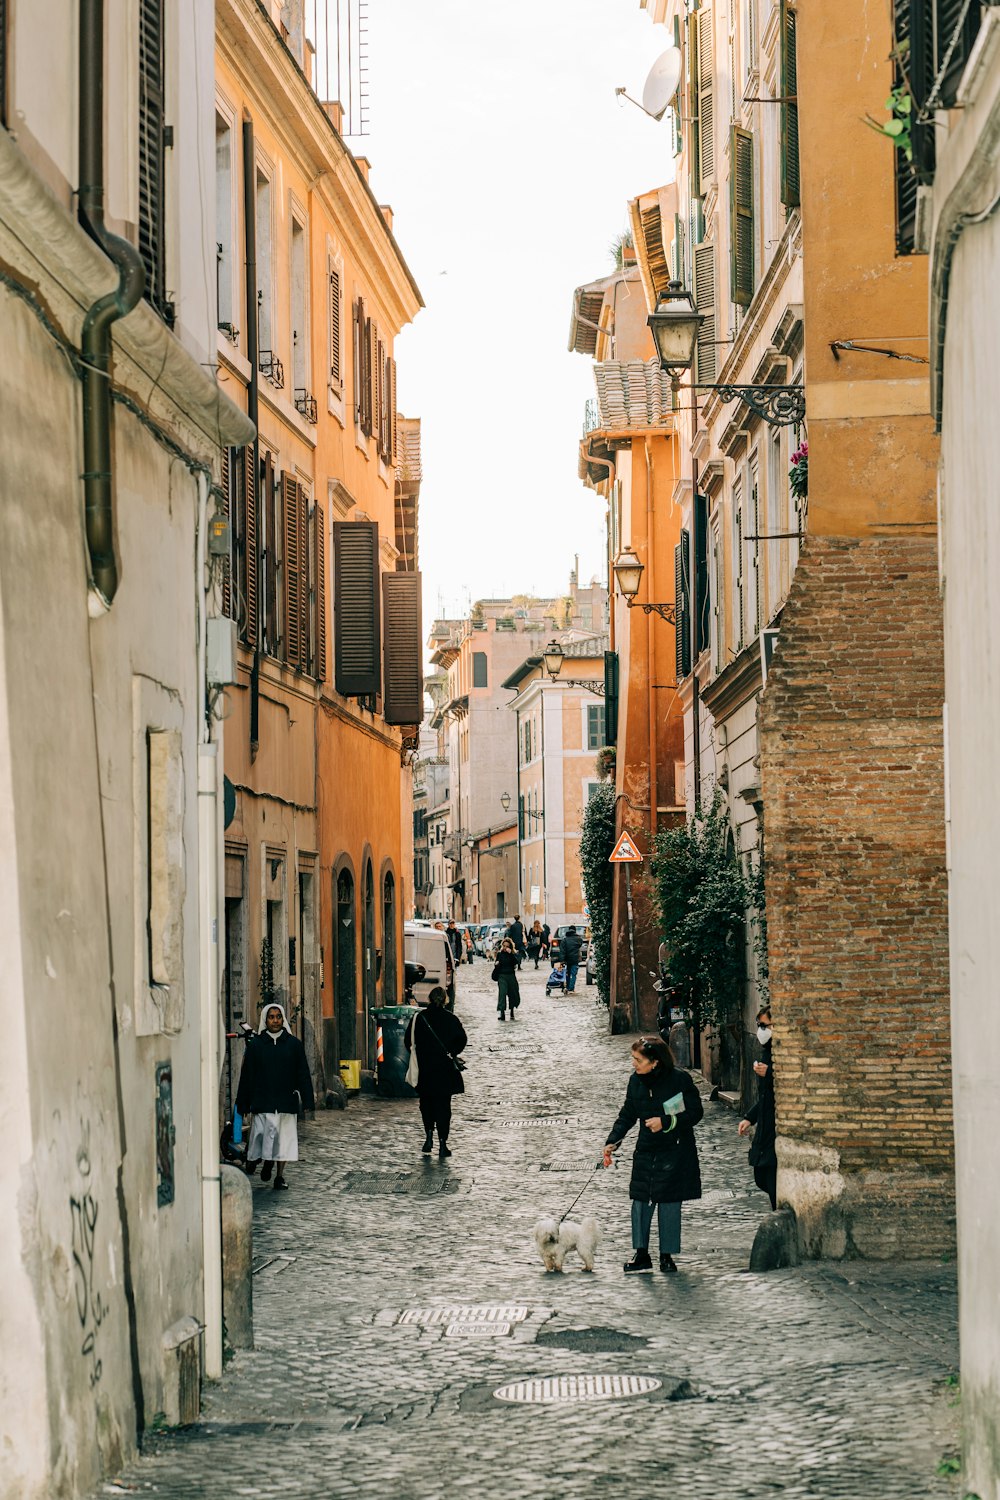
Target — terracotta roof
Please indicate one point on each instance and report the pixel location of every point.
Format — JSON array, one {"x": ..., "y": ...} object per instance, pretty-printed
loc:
[
  {"x": 588, "y": 300},
  {"x": 632, "y": 393}
]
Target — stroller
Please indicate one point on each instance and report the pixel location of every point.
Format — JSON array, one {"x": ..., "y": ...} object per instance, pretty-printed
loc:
[{"x": 556, "y": 980}]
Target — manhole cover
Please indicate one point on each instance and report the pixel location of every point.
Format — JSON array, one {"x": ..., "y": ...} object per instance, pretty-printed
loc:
[
  {"x": 567, "y": 1388},
  {"x": 428, "y": 1316},
  {"x": 544, "y": 1120},
  {"x": 420, "y": 1183},
  {"x": 477, "y": 1330},
  {"x": 513, "y": 1047}
]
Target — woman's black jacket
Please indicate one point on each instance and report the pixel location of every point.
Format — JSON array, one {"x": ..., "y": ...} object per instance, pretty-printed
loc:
[
  {"x": 274, "y": 1077},
  {"x": 762, "y": 1151},
  {"x": 665, "y": 1165},
  {"x": 506, "y": 963},
  {"x": 440, "y": 1034}
]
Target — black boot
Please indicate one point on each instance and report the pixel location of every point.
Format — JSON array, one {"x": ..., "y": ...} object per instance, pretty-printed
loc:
[
  {"x": 667, "y": 1263},
  {"x": 501, "y": 1016},
  {"x": 428, "y": 1145},
  {"x": 443, "y": 1150},
  {"x": 639, "y": 1262}
]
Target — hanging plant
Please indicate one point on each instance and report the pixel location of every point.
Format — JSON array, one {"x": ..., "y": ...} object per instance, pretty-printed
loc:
[
  {"x": 798, "y": 474},
  {"x": 597, "y": 840},
  {"x": 898, "y": 128},
  {"x": 607, "y": 759}
]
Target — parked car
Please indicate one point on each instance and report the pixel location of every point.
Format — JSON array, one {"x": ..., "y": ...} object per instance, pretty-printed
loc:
[
  {"x": 429, "y": 947},
  {"x": 495, "y": 931}
]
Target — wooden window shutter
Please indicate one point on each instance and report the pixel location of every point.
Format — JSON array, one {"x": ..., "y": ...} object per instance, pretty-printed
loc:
[
  {"x": 305, "y": 611},
  {"x": 678, "y": 255},
  {"x": 369, "y": 423},
  {"x": 336, "y": 372},
  {"x": 152, "y": 155},
  {"x": 694, "y": 145},
  {"x": 292, "y": 570},
  {"x": 706, "y": 108},
  {"x": 251, "y": 550},
  {"x": 393, "y": 425},
  {"x": 913, "y": 34},
  {"x": 356, "y": 616},
  {"x": 3, "y": 61},
  {"x": 739, "y": 622},
  {"x": 378, "y": 412},
  {"x": 270, "y": 513},
  {"x": 682, "y": 605},
  {"x": 788, "y": 89},
  {"x": 741, "y": 216},
  {"x": 402, "y": 635},
  {"x": 360, "y": 362},
  {"x": 701, "y": 587},
  {"x": 319, "y": 594},
  {"x": 957, "y": 25},
  {"x": 611, "y": 697},
  {"x": 227, "y": 510},
  {"x": 704, "y": 296}
]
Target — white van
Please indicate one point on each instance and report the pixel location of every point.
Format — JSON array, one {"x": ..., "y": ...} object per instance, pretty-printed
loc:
[{"x": 430, "y": 947}]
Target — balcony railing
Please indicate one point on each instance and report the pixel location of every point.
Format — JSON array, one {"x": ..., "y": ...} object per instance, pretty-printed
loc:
[
  {"x": 271, "y": 368},
  {"x": 305, "y": 405}
]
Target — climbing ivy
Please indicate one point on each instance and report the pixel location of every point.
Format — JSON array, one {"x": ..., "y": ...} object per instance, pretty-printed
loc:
[
  {"x": 597, "y": 839},
  {"x": 703, "y": 898}
]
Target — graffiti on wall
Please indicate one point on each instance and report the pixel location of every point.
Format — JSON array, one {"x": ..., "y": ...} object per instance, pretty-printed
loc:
[
  {"x": 165, "y": 1134},
  {"x": 90, "y": 1305}
]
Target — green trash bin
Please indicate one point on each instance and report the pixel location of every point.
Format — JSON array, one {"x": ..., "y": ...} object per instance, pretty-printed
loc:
[{"x": 391, "y": 1056}]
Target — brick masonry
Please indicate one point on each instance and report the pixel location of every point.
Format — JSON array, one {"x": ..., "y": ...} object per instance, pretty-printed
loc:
[{"x": 852, "y": 773}]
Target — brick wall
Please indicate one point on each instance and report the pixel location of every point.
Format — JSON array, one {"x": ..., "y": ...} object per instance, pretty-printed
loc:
[{"x": 852, "y": 774}]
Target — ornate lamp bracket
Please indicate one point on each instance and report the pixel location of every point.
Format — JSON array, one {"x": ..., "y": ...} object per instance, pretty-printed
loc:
[{"x": 777, "y": 405}]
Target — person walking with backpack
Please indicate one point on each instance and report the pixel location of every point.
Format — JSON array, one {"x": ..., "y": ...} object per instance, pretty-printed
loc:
[{"x": 569, "y": 952}]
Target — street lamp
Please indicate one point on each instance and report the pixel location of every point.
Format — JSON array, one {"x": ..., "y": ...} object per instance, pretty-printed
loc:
[
  {"x": 553, "y": 657},
  {"x": 628, "y": 570},
  {"x": 676, "y": 323},
  {"x": 505, "y": 801}
]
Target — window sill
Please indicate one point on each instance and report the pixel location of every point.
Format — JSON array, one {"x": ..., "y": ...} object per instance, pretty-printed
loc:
[
  {"x": 286, "y": 411},
  {"x": 335, "y": 406},
  {"x": 232, "y": 357}
]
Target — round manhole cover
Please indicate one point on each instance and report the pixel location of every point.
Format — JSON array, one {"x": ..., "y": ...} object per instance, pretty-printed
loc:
[{"x": 567, "y": 1388}]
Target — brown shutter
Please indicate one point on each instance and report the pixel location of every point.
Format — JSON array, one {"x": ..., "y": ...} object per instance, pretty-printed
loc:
[
  {"x": 251, "y": 549},
  {"x": 227, "y": 510},
  {"x": 336, "y": 374},
  {"x": 706, "y": 111},
  {"x": 271, "y": 558},
  {"x": 292, "y": 570},
  {"x": 393, "y": 436},
  {"x": 305, "y": 573},
  {"x": 359, "y": 362},
  {"x": 788, "y": 89},
  {"x": 404, "y": 683},
  {"x": 319, "y": 592},
  {"x": 741, "y": 216},
  {"x": 356, "y": 623},
  {"x": 379, "y": 414}
]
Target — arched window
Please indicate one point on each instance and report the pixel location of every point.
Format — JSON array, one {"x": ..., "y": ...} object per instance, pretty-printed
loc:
[
  {"x": 369, "y": 956},
  {"x": 390, "y": 994},
  {"x": 345, "y": 960}
]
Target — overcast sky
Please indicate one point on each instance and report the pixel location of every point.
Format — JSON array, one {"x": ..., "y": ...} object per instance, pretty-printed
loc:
[{"x": 497, "y": 139}]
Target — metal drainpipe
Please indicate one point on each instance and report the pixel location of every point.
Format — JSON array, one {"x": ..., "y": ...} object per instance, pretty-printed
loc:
[
  {"x": 250, "y": 240},
  {"x": 96, "y": 337}
]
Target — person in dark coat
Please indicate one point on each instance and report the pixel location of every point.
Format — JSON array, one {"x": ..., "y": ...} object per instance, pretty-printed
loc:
[
  {"x": 505, "y": 976},
  {"x": 546, "y": 934},
  {"x": 569, "y": 952},
  {"x": 763, "y": 1155},
  {"x": 533, "y": 941},
  {"x": 516, "y": 934},
  {"x": 439, "y": 1036},
  {"x": 454, "y": 941},
  {"x": 274, "y": 1085},
  {"x": 665, "y": 1171}
]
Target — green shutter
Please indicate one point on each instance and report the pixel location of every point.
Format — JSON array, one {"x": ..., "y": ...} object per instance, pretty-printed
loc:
[
  {"x": 694, "y": 143},
  {"x": 788, "y": 89},
  {"x": 706, "y": 108},
  {"x": 611, "y": 697},
  {"x": 741, "y": 216},
  {"x": 682, "y": 610}
]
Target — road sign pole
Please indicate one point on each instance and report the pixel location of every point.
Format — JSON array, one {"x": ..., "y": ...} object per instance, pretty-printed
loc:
[{"x": 631, "y": 944}]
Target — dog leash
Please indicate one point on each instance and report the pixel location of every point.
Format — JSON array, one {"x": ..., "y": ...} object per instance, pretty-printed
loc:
[{"x": 599, "y": 1165}]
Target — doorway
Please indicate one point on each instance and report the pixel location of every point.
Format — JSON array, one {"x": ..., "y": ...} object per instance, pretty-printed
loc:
[
  {"x": 390, "y": 995},
  {"x": 370, "y": 970},
  {"x": 345, "y": 962}
]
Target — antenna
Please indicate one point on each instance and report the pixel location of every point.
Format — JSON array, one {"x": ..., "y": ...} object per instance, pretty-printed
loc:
[{"x": 660, "y": 86}]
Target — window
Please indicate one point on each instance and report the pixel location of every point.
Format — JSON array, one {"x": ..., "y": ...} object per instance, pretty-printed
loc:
[
  {"x": 357, "y": 616},
  {"x": 718, "y": 641},
  {"x": 225, "y": 280},
  {"x": 682, "y": 606},
  {"x": 702, "y": 601},
  {"x": 775, "y": 513},
  {"x": 753, "y": 548},
  {"x": 704, "y": 296},
  {"x": 152, "y": 154},
  {"x": 479, "y": 672},
  {"x": 403, "y": 652},
  {"x": 787, "y": 89},
  {"x": 595, "y": 726},
  {"x": 739, "y": 580},
  {"x": 703, "y": 165},
  {"x": 593, "y": 787},
  {"x": 299, "y": 310},
  {"x": 295, "y": 573},
  {"x": 334, "y": 300},
  {"x": 265, "y": 329},
  {"x": 270, "y": 562},
  {"x": 741, "y": 203}
]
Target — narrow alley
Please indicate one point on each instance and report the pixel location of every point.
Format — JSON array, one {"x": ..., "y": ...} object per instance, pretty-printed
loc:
[{"x": 829, "y": 1380}]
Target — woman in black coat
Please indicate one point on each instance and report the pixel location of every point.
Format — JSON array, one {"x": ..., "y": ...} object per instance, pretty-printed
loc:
[
  {"x": 760, "y": 1118},
  {"x": 665, "y": 1171},
  {"x": 505, "y": 977},
  {"x": 438, "y": 1036},
  {"x": 274, "y": 1086}
]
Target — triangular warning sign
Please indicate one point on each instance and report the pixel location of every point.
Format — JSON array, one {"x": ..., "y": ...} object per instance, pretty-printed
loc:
[{"x": 625, "y": 852}]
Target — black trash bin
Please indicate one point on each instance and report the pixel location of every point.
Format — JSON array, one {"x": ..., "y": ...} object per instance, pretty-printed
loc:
[{"x": 391, "y": 1022}]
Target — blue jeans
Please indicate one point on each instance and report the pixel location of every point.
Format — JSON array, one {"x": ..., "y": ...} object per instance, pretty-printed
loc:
[
  {"x": 571, "y": 972},
  {"x": 668, "y": 1222}
]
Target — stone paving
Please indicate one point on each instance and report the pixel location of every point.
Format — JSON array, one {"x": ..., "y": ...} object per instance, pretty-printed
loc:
[{"x": 826, "y": 1381}]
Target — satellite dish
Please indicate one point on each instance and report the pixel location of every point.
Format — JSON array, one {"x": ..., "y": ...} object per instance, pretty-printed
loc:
[{"x": 661, "y": 85}]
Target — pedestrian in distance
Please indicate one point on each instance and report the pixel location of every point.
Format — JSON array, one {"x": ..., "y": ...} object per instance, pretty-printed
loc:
[
  {"x": 438, "y": 1036},
  {"x": 455, "y": 942},
  {"x": 516, "y": 934},
  {"x": 546, "y": 934},
  {"x": 760, "y": 1118},
  {"x": 664, "y": 1101},
  {"x": 505, "y": 977},
  {"x": 569, "y": 952},
  {"x": 274, "y": 1087},
  {"x": 533, "y": 941},
  {"x": 470, "y": 951}
]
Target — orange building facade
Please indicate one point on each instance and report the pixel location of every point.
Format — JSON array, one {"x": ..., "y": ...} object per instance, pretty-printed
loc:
[{"x": 323, "y": 589}]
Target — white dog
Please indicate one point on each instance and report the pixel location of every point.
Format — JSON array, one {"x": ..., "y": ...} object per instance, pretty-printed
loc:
[{"x": 554, "y": 1240}]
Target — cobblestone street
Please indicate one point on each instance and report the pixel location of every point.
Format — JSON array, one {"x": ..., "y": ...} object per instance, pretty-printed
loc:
[{"x": 829, "y": 1380}]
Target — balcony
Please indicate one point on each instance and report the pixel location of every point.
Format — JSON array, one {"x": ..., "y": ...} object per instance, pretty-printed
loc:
[
  {"x": 271, "y": 368},
  {"x": 305, "y": 405}
]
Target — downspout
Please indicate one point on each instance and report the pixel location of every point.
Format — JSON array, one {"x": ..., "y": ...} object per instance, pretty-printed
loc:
[
  {"x": 651, "y": 643},
  {"x": 96, "y": 337},
  {"x": 250, "y": 240}
]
